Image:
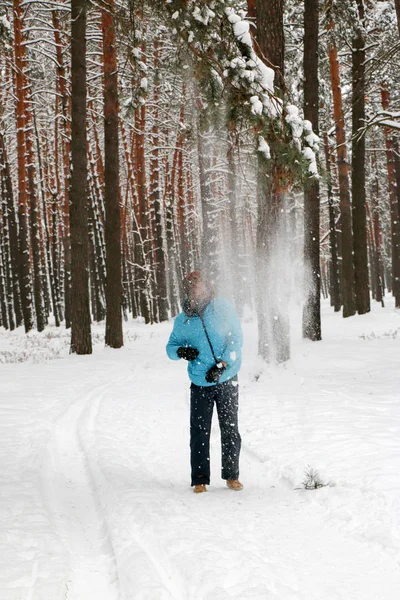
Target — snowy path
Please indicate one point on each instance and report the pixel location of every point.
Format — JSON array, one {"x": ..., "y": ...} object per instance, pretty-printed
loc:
[
  {"x": 95, "y": 499},
  {"x": 71, "y": 495}
]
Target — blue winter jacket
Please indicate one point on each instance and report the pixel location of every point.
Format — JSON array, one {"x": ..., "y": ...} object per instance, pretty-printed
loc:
[{"x": 225, "y": 333}]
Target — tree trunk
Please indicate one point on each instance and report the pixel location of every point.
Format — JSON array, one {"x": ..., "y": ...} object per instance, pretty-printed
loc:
[
  {"x": 98, "y": 227},
  {"x": 98, "y": 160},
  {"x": 361, "y": 286},
  {"x": 66, "y": 145},
  {"x": 10, "y": 224},
  {"x": 270, "y": 37},
  {"x": 210, "y": 233},
  {"x": 396, "y": 149},
  {"x": 173, "y": 279},
  {"x": 271, "y": 283},
  {"x": 142, "y": 238},
  {"x": 126, "y": 299},
  {"x": 53, "y": 219},
  {"x": 34, "y": 215},
  {"x": 312, "y": 307},
  {"x": 43, "y": 228},
  {"x": 397, "y": 5},
  {"x": 131, "y": 190},
  {"x": 394, "y": 202},
  {"x": 376, "y": 233},
  {"x": 25, "y": 281},
  {"x": 7, "y": 298},
  {"x": 237, "y": 274},
  {"x": 271, "y": 279},
  {"x": 379, "y": 268},
  {"x": 178, "y": 248},
  {"x": 334, "y": 271},
  {"x": 81, "y": 342},
  {"x": 182, "y": 206},
  {"x": 114, "y": 335},
  {"x": 3, "y": 285},
  {"x": 161, "y": 300},
  {"x": 347, "y": 274},
  {"x": 98, "y": 275}
]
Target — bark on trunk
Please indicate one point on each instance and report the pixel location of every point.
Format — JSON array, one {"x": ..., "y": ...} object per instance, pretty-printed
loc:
[
  {"x": 34, "y": 215},
  {"x": 3, "y": 285},
  {"x": 44, "y": 235},
  {"x": 95, "y": 214},
  {"x": 210, "y": 233},
  {"x": 66, "y": 145},
  {"x": 10, "y": 225},
  {"x": 347, "y": 272},
  {"x": 394, "y": 202},
  {"x": 237, "y": 273},
  {"x": 396, "y": 216},
  {"x": 161, "y": 299},
  {"x": 81, "y": 342},
  {"x": 312, "y": 307},
  {"x": 271, "y": 284},
  {"x": 25, "y": 280},
  {"x": 98, "y": 279},
  {"x": 142, "y": 238},
  {"x": 173, "y": 279},
  {"x": 50, "y": 205},
  {"x": 376, "y": 234},
  {"x": 334, "y": 270},
  {"x": 114, "y": 335},
  {"x": 270, "y": 37},
  {"x": 361, "y": 284}
]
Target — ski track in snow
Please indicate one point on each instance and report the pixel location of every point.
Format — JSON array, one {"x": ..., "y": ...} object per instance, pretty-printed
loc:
[{"x": 70, "y": 491}]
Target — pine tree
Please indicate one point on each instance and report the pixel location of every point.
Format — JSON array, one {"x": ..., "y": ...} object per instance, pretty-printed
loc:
[
  {"x": 334, "y": 274},
  {"x": 359, "y": 216},
  {"x": 347, "y": 271},
  {"x": 25, "y": 278},
  {"x": 155, "y": 198},
  {"x": 274, "y": 339},
  {"x": 81, "y": 342},
  {"x": 114, "y": 336},
  {"x": 312, "y": 309},
  {"x": 393, "y": 198}
]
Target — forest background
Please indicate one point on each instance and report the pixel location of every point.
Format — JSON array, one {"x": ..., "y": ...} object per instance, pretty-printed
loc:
[{"x": 140, "y": 140}]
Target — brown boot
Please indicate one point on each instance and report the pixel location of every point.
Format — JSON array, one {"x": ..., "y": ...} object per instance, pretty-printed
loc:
[
  {"x": 200, "y": 488},
  {"x": 234, "y": 484}
]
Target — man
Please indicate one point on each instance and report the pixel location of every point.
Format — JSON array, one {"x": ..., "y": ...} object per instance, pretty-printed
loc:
[{"x": 207, "y": 333}]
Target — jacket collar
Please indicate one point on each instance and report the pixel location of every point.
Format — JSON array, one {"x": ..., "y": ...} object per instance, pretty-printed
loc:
[{"x": 197, "y": 310}]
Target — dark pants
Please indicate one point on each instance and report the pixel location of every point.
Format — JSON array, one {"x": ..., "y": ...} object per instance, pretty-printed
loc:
[{"x": 226, "y": 397}]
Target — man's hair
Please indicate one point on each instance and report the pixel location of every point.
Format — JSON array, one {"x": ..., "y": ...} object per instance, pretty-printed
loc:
[{"x": 190, "y": 280}]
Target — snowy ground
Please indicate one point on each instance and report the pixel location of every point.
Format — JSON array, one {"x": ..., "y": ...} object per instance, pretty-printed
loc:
[{"x": 95, "y": 502}]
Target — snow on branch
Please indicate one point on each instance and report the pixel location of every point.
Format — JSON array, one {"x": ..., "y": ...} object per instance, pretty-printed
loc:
[
  {"x": 382, "y": 119},
  {"x": 251, "y": 69},
  {"x": 48, "y": 3},
  {"x": 233, "y": 61}
]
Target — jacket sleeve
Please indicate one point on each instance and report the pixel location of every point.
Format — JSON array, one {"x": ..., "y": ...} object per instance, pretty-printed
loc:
[
  {"x": 175, "y": 340},
  {"x": 234, "y": 336}
]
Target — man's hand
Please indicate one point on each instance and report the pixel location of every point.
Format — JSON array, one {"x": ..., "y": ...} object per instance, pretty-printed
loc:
[
  {"x": 213, "y": 374},
  {"x": 187, "y": 353}
]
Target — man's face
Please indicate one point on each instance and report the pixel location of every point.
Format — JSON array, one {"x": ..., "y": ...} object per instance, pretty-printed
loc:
[{"x": 198, "y": 291}]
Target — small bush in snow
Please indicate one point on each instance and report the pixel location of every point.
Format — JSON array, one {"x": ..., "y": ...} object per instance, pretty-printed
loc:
[{"x": 312, "y": 480}]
